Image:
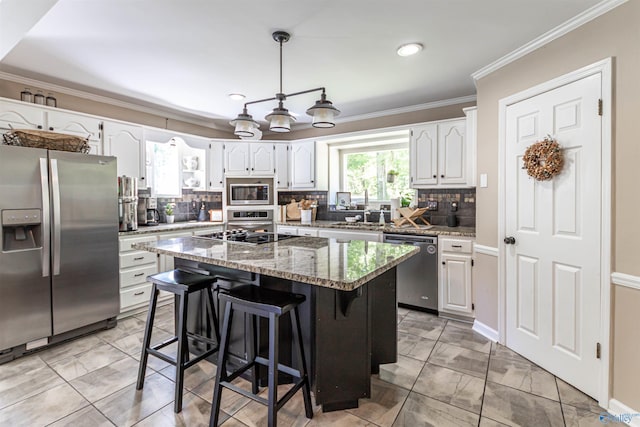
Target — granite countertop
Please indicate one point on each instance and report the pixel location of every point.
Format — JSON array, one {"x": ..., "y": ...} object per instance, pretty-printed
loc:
[
  {"x": 314, "y": 260},
  {"x": 176, "y": 226},
  {"x": 435, "y": 230}
]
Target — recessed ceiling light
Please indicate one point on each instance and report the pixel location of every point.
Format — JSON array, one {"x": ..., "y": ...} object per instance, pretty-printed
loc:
[
  {"x": 236, "y": 96},
  {"x": 409, "y": 49}
]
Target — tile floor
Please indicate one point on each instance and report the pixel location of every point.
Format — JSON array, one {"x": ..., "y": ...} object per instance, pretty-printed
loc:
[{"x": 446, "y": 375}]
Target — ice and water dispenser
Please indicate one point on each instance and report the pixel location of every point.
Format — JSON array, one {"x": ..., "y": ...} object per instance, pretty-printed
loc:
[{"x": 21, "y": 229}]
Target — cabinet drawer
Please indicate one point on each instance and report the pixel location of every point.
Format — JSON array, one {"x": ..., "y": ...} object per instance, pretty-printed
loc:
[
  {"x": 310, "y": 232},
  {"x": 125, "y": 243},
  {"x": 136, "y": 276},
  {"x": 135, "y": 296},
  {"x": 287, "y": 230},
  {"x": 139, "y": 258},
  {"x": 462, "y": 246}
]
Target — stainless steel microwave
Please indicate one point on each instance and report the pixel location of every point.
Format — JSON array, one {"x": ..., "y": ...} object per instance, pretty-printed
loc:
[{"x": 249, "y": 194}]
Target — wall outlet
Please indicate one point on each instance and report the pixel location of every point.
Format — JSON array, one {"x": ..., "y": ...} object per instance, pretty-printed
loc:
[{"x": 432, "y": 205}]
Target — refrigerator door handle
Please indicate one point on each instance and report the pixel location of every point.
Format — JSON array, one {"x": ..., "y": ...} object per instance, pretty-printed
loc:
[
  {"x": 55, "y": 188},
  {"x": 46, "y": 216}
]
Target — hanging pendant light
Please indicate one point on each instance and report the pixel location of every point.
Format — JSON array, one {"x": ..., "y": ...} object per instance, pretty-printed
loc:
[{"x": 323, "y": 111}]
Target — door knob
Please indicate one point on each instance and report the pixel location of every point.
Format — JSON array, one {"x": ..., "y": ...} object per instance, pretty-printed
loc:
[{"x": 509, "y": 240}]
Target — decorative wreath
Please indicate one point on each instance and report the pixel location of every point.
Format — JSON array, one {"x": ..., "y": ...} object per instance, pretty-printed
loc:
[{"x": 544, "y": 159}]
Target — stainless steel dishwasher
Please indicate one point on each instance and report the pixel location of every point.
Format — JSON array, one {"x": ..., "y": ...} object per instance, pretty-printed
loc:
[{"x": 417, "y": 278}]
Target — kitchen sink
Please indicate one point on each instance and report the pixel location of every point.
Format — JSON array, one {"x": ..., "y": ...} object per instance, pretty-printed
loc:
[{"x": 358, "y": 224}]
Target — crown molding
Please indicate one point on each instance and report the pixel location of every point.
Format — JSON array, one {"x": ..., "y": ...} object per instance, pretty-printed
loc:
[
  {"x": 209, "y": 123},
  {"x": 408, "y": 109},
  {"x": 559, "y": 31}
]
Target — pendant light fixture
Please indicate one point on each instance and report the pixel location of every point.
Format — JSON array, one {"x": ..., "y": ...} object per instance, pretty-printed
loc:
[{"x": 323, "y": 111}]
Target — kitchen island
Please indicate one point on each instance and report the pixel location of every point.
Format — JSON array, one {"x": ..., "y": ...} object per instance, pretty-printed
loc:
[{"x": 348, "y": 318}]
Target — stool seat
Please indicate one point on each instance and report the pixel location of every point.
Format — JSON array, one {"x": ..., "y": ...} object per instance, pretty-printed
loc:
[
  {"x": 181, "y": 279},
  {"x": 181, "y": 283},
  {"x": 258, "y": 301},
  {"x": 265, "y": 300}
]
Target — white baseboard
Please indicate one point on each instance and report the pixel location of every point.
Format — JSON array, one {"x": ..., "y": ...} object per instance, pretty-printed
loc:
[
  {"x": 630, "y": 417},
  {"x": 485, "y": 331},
  {"x": 627, "y": 280}
]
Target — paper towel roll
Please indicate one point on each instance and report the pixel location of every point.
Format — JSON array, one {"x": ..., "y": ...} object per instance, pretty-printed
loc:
[{"x": 395, "y": 204}]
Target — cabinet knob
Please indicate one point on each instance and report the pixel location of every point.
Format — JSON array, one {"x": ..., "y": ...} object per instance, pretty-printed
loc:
[
  {"x": 441, "y": 176},
  {"x": 444, "y": 263},
  {"x": 252, "y": 169},
  {"x": 435, "y": 176},
  {"x": 39, "y": 126},
  {"x": 312, "y": 181},
  {"x": 509, "y": 240},
  {"x": 246, "y": 168},
  {"x": 50, "y": 127}
]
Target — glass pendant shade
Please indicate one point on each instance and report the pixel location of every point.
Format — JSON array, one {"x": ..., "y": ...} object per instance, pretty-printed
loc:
[
  {"x": 280, "y": 119},
  {"x": 245, "y": 125},
  {"x": 323, "y": 113}
]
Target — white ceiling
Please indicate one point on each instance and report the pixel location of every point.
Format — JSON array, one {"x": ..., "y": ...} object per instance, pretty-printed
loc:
[{"x": 188, "y": 55}]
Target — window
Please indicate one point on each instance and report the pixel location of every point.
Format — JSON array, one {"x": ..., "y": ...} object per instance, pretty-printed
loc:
[
  {"x": 381, "y": 170},
  {"x": 163, "y": 168}
]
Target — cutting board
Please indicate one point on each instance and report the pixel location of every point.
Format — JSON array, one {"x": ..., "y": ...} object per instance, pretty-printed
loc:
[{"x": 293, "y": 211}]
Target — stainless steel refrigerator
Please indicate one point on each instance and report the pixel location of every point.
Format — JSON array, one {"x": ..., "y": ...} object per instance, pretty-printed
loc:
[{"x": 59, "y": 258}]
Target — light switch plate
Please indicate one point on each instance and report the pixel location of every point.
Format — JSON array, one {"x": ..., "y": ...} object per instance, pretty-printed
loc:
[{"x": 483, "y": 180}]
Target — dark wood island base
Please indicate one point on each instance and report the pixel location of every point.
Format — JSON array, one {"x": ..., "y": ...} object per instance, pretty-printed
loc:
[{"x": 347, "y": 334}]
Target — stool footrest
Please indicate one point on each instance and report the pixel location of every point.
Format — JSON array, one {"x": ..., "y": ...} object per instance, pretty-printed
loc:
[
  {"x": 281, "y": 402},
  {"x": 200, "y": 357},
  {"x": 202, "y": 339},
  {"x": 241, "y": 370},
  {"x": 282, "y": 368},
  {"x": 162, "y": 356},
  {"x": 164, "y": 343}
]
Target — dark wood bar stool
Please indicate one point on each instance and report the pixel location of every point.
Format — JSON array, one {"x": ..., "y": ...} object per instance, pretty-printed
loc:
[
  {"x": 181, "y": 284},
  {"x": 270, "y": 304}
]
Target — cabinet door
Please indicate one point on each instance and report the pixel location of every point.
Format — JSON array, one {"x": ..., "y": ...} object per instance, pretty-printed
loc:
[
  {"x": 19, "y": 116},
  {"x": 262, "y": 158},
  {"x": 423, "y": 149},
  {"x": 456, "y": 283},
  {"x": 124, "y": 141},
  {"x": 216, "y": 166},
  {"x": 194, "y": 153},
  {"x": 74, "y": 124},
  {"x": 303, "y": 164},
  {"x": 452, "y": 152},
  {"x": 348, "y": 235},
  {"x": 236, "y": 159},
  {"x": 282, "y": 166}
]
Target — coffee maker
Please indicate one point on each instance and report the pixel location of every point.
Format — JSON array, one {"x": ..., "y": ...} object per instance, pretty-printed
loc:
[
  {"x": 128, "y": 203},
  {"x": 148, "y": 211}
]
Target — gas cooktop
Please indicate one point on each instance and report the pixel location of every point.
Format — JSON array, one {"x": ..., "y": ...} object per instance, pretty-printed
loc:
[{"x": 240, "y": 235}]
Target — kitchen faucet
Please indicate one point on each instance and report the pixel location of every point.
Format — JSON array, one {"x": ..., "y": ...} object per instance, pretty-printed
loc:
[{"x": 366, "y": 216}]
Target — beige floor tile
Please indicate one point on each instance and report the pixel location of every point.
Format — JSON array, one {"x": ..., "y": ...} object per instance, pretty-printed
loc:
[
  {"x": 102, "y": 382},
  {"x": 414, "y": 346},
  {"x": 429, "y": 328},
  {"x": 125, "y": 327},
  {"x": 254, "y": 414},
  {"x": 336, "y": 419},
  {"x": 402, "y": 373},
  {"x": 195, "y": 375},
  {"x": 88, "y": 416},
  {"x": 195, "y": 412},
  {"x": 420, "y": 410},
  {"x": 569, "y": 395},
  {"x": 232, "y": 422},
  {"x": 460, "y": 359},
  {"x": 70, "y": 348},
  {"x": 488, "y": 422},
  {"x": 514, "y": 407},
  {"x": 128, "y": 405},
  {"x": 577, "y": 417},
  {"x": 81, "y": 364},
  {"x": 44, "y": 408},
  {"x": 132, "y": 344},
  {"x": 231, "y": 402},
  {"x": 451, "y": 387},
  {"x": 25, "y": 377},
  {"x": 384, "y": 405},
  {"x": 524, "y": 376},
  {"x": 464, "y": 337}
]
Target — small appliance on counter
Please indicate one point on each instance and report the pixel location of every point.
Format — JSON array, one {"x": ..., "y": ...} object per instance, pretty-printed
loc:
[
  {"x": 148, "y": 211},
  {"x": 128, "y": 203}
]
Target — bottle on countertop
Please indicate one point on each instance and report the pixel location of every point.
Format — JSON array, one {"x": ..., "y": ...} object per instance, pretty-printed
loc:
[
  {"x": 381, "y": 218},
  {"x": 202, "y": 216}
]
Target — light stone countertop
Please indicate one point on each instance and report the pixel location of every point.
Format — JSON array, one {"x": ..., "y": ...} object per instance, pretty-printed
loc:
[
  {"x": 168, "y": 228},
  {"x": 435, "y": 230},
  {"x": 314, "y": 260}
]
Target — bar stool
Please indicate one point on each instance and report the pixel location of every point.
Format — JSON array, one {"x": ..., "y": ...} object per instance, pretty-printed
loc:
[
  {"x": 181, "y": 284},
  {"x": 270, "y": 304}
]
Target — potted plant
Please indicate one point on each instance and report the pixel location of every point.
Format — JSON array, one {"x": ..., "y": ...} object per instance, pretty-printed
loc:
[
  {"x": 168, "y": 210},
  {"x": 391, "y": 176},
  {"x": 405, "y": 199}
]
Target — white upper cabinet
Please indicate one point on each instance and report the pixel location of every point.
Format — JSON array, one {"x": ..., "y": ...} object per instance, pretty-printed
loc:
[
  {"x": 15, "y": 115},
  {"x": 249, "y": 159},
  {"x": 441, "y": 155},
  {"x": 303, "y": 164},
  {"x": 282, "y": 166},
  {"x": 194, "y": 153},
  {"x": 124, "y": 141},
  {"x": 216, "y": 166},
  {"x": 78, "y": 125}
]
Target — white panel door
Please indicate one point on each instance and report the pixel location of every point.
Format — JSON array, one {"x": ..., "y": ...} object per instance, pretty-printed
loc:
[
  {"x": 124, "y": 141},
  {"x": 456, "y": 283},
  {"x": 236, "y": 158},
  {"x": 19, "y": 116},
  {"x": 216, "y": 166},
  {"x": 452, "y": 153},
  {"x": 424, "y": 155},
  {"x": 262, "y": 158},
  {"x": 553, "y": 268},
  {"x": 282, "y": 166}
]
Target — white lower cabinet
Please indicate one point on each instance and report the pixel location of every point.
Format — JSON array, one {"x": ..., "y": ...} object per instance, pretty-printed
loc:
[
  {"x": 455, "y": 287},
  {"x": 135, "y": 266},
  {"x": 370, "y": 236},
  {"x": 166, "y": 261}
]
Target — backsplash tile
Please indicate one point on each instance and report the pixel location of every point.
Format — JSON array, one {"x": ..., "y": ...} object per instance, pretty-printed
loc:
[
  {"x": 465, "y": 197},
  {"x": 188, "y": 207},
  {"x": 285, "y": 197}
]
